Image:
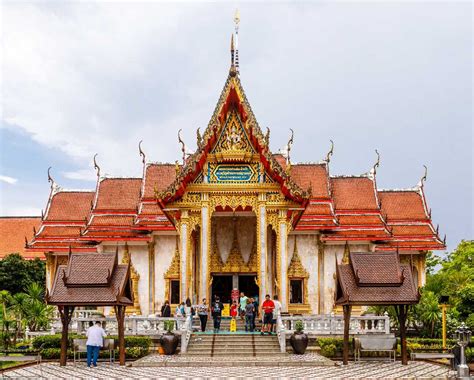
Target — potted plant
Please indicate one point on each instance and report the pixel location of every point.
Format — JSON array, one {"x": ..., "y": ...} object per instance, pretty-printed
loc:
[
  {"x": 299, "y": 340},
  {"x": 169, "y": 341}
]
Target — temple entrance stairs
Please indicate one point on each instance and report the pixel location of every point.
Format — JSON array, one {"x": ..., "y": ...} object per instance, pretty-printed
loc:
[{"x": 234, "y": 345}]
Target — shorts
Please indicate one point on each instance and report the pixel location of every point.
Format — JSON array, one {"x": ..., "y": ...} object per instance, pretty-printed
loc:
[{"x": 267, "y": 318}]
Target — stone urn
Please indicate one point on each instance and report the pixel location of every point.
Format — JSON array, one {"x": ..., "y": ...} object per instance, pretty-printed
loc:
[
  {"x": 169, "y": 341},
  {"x": 299, "y": 340}
]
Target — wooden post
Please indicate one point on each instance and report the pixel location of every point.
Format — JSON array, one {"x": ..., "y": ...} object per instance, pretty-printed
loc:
[
  {"x": 345, "y": 347},
  {"x": 65, "y": 313},
  {"x": 402, "y": 317},
  {"x": 120, "y": 313}
]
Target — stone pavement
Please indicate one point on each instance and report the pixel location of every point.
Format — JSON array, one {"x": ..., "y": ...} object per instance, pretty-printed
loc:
[
  {"x": 363, "y": 370},
  {"x": 290, "y": 360}
]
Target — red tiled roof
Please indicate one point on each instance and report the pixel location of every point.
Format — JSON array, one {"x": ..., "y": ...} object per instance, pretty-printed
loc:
[
  {"x": 81, "y": 272},
  {"x": 118, "y": 194},
  {"x": 70, "y": 205},
  {"x": 48, "y": 231},
  {"x": 13, "y": 231},
  {"x": 112, "y": 220},
  {"x": 150, "y": 209},
  {"x": 359, "y": 220},
  {"x": 158, "y": 176},
  {"x": 311, "y": 175},
  {"x": 413, "y": 230},
  {"x": 353, "y": 193},
  {"x": 376, "y": 269},
  {"x": 407, "y": 205}
]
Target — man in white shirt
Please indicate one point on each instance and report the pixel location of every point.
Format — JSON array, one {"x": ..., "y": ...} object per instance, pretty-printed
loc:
[
  {"x": 276, "y": 310},
  {"x": 95, "y": 340}
]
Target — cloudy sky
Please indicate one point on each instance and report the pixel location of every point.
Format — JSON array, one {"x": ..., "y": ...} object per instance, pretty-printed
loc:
[{"x": 80, "y": 78}]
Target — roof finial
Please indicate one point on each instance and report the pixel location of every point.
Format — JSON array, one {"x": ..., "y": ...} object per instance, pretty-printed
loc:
[
  {"x": 423, "y": 179},
  {"x": 184, "y": 148},
  {"x": 237, "y": 21},
  {"x": 142, "y": 153},
  {"x": 285, "y": 151},
  {"x": 50, "y": 179},
  {"x": 96, "y": 167},
  {"x": 232, "y": 51},
  {"x": 330, "y": 153},
  {"x": 377, "y": 164}
]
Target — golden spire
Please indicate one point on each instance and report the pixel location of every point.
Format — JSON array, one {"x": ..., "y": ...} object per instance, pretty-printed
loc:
[{"x": 347, "y": 251}]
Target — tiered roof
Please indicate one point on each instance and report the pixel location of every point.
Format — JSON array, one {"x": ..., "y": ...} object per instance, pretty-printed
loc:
[{"x": 341, "y": 208}]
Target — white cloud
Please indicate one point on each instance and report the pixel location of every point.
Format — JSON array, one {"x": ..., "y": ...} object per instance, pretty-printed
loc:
[
  {"x": 9, "y": 180},
  {"x": 81, "y": 175}
]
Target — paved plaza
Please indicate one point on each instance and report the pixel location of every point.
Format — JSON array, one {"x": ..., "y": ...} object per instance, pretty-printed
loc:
[{"x": 364, "y": 370}]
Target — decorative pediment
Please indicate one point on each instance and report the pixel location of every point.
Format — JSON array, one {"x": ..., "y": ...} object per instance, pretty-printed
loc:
[
  {"x": 134, "y": 277},
  {"x": 174, "y": 268},
  {"x": 296, "y": 268}
]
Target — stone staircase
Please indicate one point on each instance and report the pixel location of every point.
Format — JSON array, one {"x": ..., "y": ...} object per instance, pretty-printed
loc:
[{"x": 236, "y": 345}]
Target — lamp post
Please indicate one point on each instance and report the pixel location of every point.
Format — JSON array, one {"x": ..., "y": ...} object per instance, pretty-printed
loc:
[{"x": 463, "y": 335}]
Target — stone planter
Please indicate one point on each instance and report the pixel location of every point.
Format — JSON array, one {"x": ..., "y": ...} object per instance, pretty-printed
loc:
[
  {"x": 169, "y": 343},
  {"x": 299, "y": 342}
]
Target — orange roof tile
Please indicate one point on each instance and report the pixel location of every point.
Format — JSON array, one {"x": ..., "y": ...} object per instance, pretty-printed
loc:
[
  {"x": 402, "y": 205},
  {"x": 353, "y": 193},
  {"x": 412, "y": 230},
  {"x": 311, "y": 175},
  {"x": 70, "y": 205},
  {"x": 12, "y": 235},
  {"x": 48, "y": 231},
  {"x": 359, "y": 220},
  {"x": 112, "y": 220},
  {"x": 118, "y": 194},
  {"x": 158, "y": 176}
]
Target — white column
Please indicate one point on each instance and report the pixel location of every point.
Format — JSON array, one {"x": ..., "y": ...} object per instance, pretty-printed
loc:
[
  {"x": 262, "y": 241},
  {"x": 205, "y": 225},
  {"x": 183, "y": 289},
  {"x": 283, "y": 261}
]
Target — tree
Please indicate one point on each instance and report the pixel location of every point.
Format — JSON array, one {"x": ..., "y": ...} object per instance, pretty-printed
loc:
[
  {"x": 16, "y": 273},
  {"x": 428, "y": 312}
]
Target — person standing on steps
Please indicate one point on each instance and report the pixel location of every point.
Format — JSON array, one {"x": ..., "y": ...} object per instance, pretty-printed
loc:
[
  {"x": 249, "y": 315},
  {"x": 242, "y": 305},
  {"x": 166, "y": 310},
  {"x": 276, "y": 312},
  {"x": 234, "y": 310},
  {"x": 203, "y": 312},
  {"x": 255, "y": 314},
  {"x": 267, "y": 311},
  {"x": 216, "y": 309}
]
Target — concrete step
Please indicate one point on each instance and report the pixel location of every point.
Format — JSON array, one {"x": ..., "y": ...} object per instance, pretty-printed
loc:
[{"x": 241, "y": 355}]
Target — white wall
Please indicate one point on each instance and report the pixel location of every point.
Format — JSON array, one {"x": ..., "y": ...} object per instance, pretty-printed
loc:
[{"x": 165, "y": 246}]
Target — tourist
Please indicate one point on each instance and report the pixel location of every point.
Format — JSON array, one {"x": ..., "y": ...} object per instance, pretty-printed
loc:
[
  {"x": 234, "y": 310},
  {"x": 243, "y": 304},
  {"x": 267, "y": 311},
  {"x": 249, "y": 315},
  {"x": 179, "y": 314},
  {"x": 276, "y": 311},
  {"x": 188, "y": 309},
  {"x": 255, "y": 315},
  {"x": 166, "y": 310},
  {"x": 216, "y": 309},
  {"x": 203, "y": 311},
  {"x": 95, "y": 340}
]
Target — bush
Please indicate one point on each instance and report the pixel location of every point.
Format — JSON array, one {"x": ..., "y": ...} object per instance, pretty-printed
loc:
[
  {"x": 337, "y": 342},
  {"x": 48, "y": 341},
  {"x": 54, "y": 353},
  {"x": 329, "y": 350},
  {"x": 299, "y": 327}
]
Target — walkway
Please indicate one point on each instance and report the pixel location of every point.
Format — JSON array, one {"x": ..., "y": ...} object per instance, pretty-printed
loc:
[{"x": 364, "y": 370}]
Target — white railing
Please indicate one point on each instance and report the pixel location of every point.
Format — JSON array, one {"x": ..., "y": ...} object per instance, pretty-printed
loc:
[
  {"x": 186, "y": 331},
  {"x": 334, "y": 324},
  {"x": 281, "y": 333}
]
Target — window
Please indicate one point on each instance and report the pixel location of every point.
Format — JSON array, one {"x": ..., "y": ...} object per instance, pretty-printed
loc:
[
  {"x": 174, "y": 291},
  {"x": 296, "y": 291}
]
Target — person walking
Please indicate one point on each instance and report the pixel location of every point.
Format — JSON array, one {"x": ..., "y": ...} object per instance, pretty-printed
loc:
[
  {"x": 166, "y": 310},
  {"x": 95, "y": 340},
  {"x": 203, "y": 312},
  {"x": 216, "y": 309},
  {"x": 242, "y": 305},
  {"x": 255, "y": 315},
  {"x": 267, "y": 311},
  {"x": 276, "y": 311},
  {"x": 249, "y": 314}
]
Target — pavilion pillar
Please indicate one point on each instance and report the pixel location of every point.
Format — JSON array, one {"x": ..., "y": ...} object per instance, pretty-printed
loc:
[
  {"x": 205, "y": 245},
  {"x": 283, "y": 280},
  {"x": 120, "y": 313},
  {"x": 65, "y": 313},
  {"x": 183, "y": 286},
  {"x": 402, "y": 312},
  {"x": 347, "y": 321},
  {"x": 262, "y": 246}
]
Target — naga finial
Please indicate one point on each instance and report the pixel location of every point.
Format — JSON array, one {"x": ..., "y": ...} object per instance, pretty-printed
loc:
[
  {"x": 267, "y": 137},
  {"x": 285, "y": 152},
  {"x": 96, "y": 167},
  {"x": 184, "y": 149},
  {"x": 50, "y": 179},
  {"x": 423, "y": 179},
  {"x": 199, "y": 138},
  {"x": 140, "y": 150},
  {"x": 330, "y": 153},
  {"x": 377, "y": 163}
]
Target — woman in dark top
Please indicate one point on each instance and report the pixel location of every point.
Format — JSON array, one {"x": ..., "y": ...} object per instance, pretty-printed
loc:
[{"x": 166, "y": 310}]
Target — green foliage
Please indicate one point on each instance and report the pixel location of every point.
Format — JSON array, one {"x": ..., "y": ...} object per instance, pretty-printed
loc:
[
  {"x": 17, "y": 273},
  {"x": 429, "y": 313},
  {"x": 299, "y": 326},
  {"x": 336, "y": 342},
  {"x": 48, "y": 341},
  {"x": 329, "y": 350},
  {"x": 169, "y": 325},
  {"x": 470, "y": 322}
]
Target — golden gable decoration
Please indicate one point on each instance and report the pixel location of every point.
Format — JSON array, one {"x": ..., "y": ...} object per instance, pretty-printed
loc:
[
  {"x": 173, "y": 271},
  {"x": 296, "y": 268},
  {"x": 134, "y": 276}
]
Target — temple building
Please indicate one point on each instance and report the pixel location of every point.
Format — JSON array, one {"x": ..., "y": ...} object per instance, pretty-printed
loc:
[{"x": 234, "y": 215}]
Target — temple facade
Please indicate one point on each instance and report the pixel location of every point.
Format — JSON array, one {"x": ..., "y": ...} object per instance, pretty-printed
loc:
[{"x": 234, "y": 215}]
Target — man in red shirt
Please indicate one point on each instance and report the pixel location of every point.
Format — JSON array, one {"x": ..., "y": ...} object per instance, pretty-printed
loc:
[{"x": 267, "y": 311}]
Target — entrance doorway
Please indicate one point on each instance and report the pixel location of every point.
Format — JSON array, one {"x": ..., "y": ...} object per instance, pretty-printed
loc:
[
  {"x": 221, "y": 287},
  {"x": 248, "y": 285}
]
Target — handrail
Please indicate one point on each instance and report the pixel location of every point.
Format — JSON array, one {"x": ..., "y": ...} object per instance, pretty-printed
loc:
[
  {"x": 186, "y": 331},
  {"x": 281, "y": 333}
]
